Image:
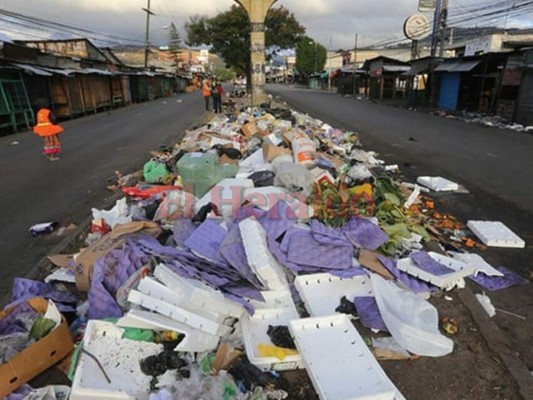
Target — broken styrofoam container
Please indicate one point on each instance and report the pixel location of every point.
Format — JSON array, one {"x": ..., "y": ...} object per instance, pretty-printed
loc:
[
  {"x": 227, "y": 195},
  {"x": 412, "y": 321},
  {"x": 260, "y": 259},
  {"x": 178, "y": 314},
  {"x": 322, "y": 293},
  {"x": 254, "y": 330},
  {"x": 485, "y": 302},
  {"x": 254, "y": 159},
  {"x": 339, "y": 362},
  {"x": 495, "y": 234},
  {"x": 197, "y": 293},
  {"x": 120, "y": 358},
  {"x": 151, "y": 287},
  {"x": 437, "y": 183},
  {"x": 194, "y": 340},
  {"x": 476, "y": 261},
  {"x": 273, "y": 299},
  {"x": 458, "y": 271}
]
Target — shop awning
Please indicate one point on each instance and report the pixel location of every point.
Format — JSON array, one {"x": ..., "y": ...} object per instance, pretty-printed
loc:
[
  {"x": 32, "y": 70},
  {"x": 396, "y": 68},
  {"x": 419, "y": 67},
  {"x": 457, "y": 66}
]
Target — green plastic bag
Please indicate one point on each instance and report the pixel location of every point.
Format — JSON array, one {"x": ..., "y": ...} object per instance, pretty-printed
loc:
[{"x": 155, "y": 172}]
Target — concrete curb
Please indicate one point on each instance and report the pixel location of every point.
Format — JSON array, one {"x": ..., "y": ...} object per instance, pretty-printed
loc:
[{"x": 497, "y": 342}]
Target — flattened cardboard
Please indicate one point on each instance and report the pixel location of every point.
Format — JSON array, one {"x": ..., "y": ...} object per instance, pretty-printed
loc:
[
  {"x": 108, "y": 242},
  {"x": 249, "y": 129},
  {"x": 224, "y": 159},
  {"x": 271, "y": 151},
  {"x": 61, "y": 260},
  {"x": 369, "y": 259},
  {"x": 225, "y": 357},
  {"x": 37, "y": 358}
]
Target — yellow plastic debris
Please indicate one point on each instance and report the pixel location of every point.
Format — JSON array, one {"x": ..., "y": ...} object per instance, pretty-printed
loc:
[{"x": 267, "y": 350}]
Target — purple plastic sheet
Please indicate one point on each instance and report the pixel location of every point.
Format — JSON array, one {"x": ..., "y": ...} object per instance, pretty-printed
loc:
[
  {"x": 109, "y": 273},
  {"x": 232, "y": 250},
  {"x": 493, "y": 283},
  {"x": 348, "y": 273},
  {"x": 368, "y": 311},
  {"x": 413, "y": 283},
  {"x": 25, "y": 289},
  {"x": 318, "y": 248},
  {"x": 278, "y": 219},
  {"x": 19, "y": 320},
  {"x": 20, "y": 393},
  {"x": 364, "y": 233},
  {"x": 206, "y": 240},
  {"x": 424, "y": 261},
  {"x": 183, "y": 228}
]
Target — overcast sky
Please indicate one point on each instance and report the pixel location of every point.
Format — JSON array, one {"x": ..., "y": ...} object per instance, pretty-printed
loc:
[{"x": 331, "y": 22}]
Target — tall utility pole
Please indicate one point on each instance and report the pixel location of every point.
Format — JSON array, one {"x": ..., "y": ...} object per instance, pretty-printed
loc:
[
  {"x": 257, "y": 10},
  {"x": 439, "y": 27},
  {"x": 147, "y": 39},
  {"x": 436, "y": 25},
  {"x": 355, "y": 61}
]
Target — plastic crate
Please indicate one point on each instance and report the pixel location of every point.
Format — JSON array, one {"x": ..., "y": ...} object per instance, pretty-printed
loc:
[
  {"x": 120, "y": 359},
  {"x": 322, "y": 293},
  {"x": 338, "y": 361},
  {"x": 495, "y": 234}
]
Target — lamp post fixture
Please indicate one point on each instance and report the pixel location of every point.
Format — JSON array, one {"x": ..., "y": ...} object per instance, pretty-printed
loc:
[{"x": 257, "y": 11}]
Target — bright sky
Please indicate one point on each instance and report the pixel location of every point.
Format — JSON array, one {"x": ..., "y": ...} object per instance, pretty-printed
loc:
[{"x": 331, "y": 22}]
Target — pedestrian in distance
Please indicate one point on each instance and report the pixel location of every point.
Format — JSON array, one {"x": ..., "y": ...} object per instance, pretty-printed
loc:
[
  {"x": 47, "y": 128},
  {"x": 218, "y": 91},
  {"x": 206, "y": 93}
]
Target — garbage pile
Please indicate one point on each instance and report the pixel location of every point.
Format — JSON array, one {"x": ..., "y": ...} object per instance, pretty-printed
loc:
[
  {"x": 248, "y": 249},
  {"x": 493, "y": 121}
]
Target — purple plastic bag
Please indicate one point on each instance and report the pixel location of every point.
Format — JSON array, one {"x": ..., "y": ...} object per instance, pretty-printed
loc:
[
  {"x": 368, "y": 311},
  {"x": 183, "y": 228},
  {"x": 206, "y": 240},
  {"x": 364, "y": 233},
  {"x": 493, "y": 283},
  {"x": 19, "y": 320},
  {"x": 25, "y": 289},
  {"x": 20, "y": 393}
]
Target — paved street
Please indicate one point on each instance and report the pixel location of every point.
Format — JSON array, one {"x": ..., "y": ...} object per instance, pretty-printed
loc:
[{"x": 35, "y": 190}]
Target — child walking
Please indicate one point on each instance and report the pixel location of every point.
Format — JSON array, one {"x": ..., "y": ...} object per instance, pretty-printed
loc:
[{"x": 48, "y": 129}]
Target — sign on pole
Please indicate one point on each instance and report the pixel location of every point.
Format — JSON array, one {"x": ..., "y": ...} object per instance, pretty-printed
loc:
[{"x": 426, "y": 5}]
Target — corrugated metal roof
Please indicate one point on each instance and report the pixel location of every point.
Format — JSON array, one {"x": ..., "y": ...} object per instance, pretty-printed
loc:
[
  {"x": 32, "y": 70},
  {"x": 457, "y": 66},
  {"x": 419, "y": 67},
  {"x": 396, "y": 68}
]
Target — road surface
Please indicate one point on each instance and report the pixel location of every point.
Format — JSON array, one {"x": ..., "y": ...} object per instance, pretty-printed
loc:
[{"x": 35, "y": 190}]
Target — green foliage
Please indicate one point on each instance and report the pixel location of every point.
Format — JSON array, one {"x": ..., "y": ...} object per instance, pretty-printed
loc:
[
  {"x": 229, "y": 34},
  {"x": 310, "y": 56},
  {"x": 224, "y": 74}
]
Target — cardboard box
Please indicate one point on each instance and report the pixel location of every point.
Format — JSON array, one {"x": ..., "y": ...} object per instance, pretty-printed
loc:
[
  {"x": 108, "y": 242},
  {"x": 249, "y": 129},
  {"x": 37, "y": 358},
  {"x": 271, "y": 151},
  {"x": 224, "y": 159}
]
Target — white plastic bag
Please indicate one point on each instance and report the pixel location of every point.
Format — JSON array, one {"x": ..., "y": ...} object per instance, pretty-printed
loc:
[
  {"x": 176, "y": 204},
  {"x": 119, "y": 214},
  {"x": 295, "y": 178},
  {"x": 412, "y": 321}
]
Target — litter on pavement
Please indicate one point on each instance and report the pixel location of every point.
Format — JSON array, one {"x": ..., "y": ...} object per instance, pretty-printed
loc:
[{"x": 264, "y": 241}]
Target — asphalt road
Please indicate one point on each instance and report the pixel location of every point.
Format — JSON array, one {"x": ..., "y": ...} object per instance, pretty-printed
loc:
[{"x": 34, "y": 190}]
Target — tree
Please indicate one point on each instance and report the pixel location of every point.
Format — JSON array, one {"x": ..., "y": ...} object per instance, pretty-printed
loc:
[
  {"x": 174, "y": 43},
  {"x": 310, "y": 56},
  {"x": 229, "y": 35}
]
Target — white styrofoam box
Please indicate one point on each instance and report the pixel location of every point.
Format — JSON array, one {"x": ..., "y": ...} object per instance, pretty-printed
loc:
[
  {"x": 437, "y": 183},
  {"x": 459, "y": 270},
  {"x": 273, "y": 299},
  {"x": 155, "y": 289},
  {"x": 495, "y": 234},
  {"x": 227, "y": 195},
  {"x": 338, "y": 361},
  {"x": 255, "y": 159},
  {"x": 197, "y": 293},
  {"x": 120, "y": 359},
  {"x": 254, "y": 330},
  {"x": 322, "y": 293},
  {"x": 476, "y": 261},
  {"x": 262, "y": 262},
  {"x": 179, "y": 314},
  {"x": 194, "y": 340},
  {"x": 266, "y": 197}
]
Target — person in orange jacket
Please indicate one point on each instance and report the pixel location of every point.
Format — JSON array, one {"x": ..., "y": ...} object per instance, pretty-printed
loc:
[
  {"x": 48, "y": 129},
  {"x": 206, "y": 93}
]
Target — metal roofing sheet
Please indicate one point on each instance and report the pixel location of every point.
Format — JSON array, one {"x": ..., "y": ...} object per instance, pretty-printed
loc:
[
  {"x": 31, "y": 69},
  {"x": 457, "y": 66},
  {"x": 396, "y": 68}
]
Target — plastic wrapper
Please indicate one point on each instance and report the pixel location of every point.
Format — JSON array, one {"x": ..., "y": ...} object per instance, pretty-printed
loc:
[
  {"x": 412, "y": 321},
  {"x": 176, "y": 204}
]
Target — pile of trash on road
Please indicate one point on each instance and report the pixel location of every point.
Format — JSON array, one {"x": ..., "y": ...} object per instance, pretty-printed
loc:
[{"x": 248, "y": 249}]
